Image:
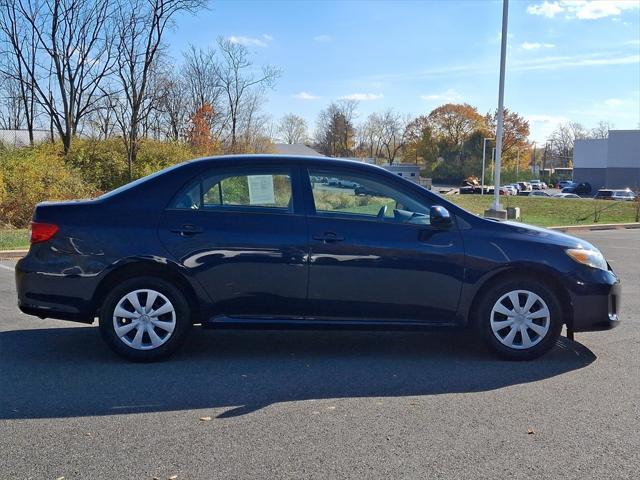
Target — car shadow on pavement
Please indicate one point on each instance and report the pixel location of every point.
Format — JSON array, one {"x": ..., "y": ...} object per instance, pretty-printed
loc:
[{"x": 69, "y": 372}]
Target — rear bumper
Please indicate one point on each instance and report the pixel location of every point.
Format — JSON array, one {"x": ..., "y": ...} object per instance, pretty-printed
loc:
[
  {"x": 51, "y": 295},
  {"x": 596, "y": 304}
]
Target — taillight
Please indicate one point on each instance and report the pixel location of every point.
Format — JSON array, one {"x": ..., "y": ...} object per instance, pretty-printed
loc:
[{"x": 41, "y": 232}]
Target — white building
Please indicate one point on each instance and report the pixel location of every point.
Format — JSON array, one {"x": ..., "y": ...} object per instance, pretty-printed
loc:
[
  {"x": 20, "y": 138},
  {"x": 409, "y": 171},
  {"x": 612, "y": 162}
]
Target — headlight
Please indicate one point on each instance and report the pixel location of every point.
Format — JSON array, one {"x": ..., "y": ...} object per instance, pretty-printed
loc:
[{"x": 592, "y": 258}]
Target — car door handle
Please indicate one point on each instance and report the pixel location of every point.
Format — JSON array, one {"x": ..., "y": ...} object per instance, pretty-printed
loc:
[
  {"x": 187, "y": 230},
  {"x": 328, "y": 237}
]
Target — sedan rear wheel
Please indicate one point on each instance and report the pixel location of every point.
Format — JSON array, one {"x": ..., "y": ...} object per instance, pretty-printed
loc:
[{"x": 144, "y": 319}]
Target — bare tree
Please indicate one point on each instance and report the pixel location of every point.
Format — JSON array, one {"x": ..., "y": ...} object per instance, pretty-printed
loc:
[
  {"x": 293, "y": 129},
  {"x": 561, "y": 144},
  {"x": 200, "y": 75},
  {"x": 253, "y": 127},
  {"x": 102, "y": 123},
  {"x": 67, "y": 56},
  {"x": 239, "y": 81},
  {"x": 393, "y": 133},
  {"x": 141, "y": 28},
  {"x": 11, "y": 107},
  {"x": 335, "y": 131},
  {"x": 601, "y": 130},
  {"x": 174, "y": 103}
]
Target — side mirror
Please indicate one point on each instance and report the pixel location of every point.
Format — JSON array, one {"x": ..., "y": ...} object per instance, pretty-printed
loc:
[{"x": 440, "y": 216}]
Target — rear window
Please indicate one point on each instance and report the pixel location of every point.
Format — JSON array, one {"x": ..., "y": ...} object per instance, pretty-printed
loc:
[
  {"x": 139, "y": 181},
  {"x": 256, "y": 189}
]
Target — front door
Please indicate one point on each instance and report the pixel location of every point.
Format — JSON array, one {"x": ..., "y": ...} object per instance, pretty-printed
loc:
[
  {"x": 242, "y": 234},
  {"x": 374, "y": 254}
]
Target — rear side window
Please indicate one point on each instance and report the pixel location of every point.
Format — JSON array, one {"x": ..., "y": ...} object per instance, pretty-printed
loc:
[{"x": 252, "y": 189}]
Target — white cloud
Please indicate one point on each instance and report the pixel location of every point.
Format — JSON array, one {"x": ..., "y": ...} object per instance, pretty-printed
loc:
[
  {"x": 535, "y": 45},
  {"x": 448, "y": 96},
  {"x": 322, "y": 38},
  {"x": 583, "y": 9},
  {"x": 613, "y": 102},
  {"x": 304, "y": 96},
  {"x": 261, "y": 42},
  {"x": 556, "y": 63},
  {"x": 544, "y": 63},
  {"x": 541, "y": 126},
  {"x": 362, "y": 97},
  {"x": 547, "y": 9}
]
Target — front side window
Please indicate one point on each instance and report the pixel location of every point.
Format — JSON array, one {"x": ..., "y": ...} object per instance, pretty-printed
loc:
[
  {"x": 256, "y": 189},
  {"x": 358, "y": 196}
]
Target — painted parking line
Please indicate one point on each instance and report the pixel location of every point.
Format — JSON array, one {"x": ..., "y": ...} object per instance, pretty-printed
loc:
[{"x": 6, "y": 267}]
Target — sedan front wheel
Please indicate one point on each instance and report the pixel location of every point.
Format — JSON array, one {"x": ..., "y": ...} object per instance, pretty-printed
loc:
[{"x": 520, "y": 319}]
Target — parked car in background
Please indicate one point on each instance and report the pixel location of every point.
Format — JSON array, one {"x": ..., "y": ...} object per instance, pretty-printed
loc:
[
  {"x": 565, "y": 183},
  {"x": 538, "y": 185},
  {"x": 525, "y": 187},
  {"x": 251, "y": 241},
  {"x": 512, "y": 189},
  {"x": 618, "y": 194},
  {"x": 565, "y": 195},
  {"x": 583, "y": 188},
  {"x": 362, "y": 190},
  {"x": 539, "y": 193},
  {"x": 342, "y": 183}
]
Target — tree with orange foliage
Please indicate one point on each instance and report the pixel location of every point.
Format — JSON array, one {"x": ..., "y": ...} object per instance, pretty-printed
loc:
[
  {"x": 454, "y": 123},
  {"x": 516, "y": 131},
  {"x": 199, "y": 135}
]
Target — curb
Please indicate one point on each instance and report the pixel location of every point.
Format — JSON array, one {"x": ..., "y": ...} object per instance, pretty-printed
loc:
[
  {"x": 596, "y": 227},
  {"x": 12, "y": 254}
]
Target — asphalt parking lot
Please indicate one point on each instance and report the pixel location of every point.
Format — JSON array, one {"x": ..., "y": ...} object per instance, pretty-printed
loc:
[{"x": 236, "y": 404}]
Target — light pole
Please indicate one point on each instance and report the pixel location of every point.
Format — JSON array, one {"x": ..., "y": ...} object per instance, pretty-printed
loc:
[
  {"x": 500, "y": 126},
  {"x": 484, "y": 148},
  {"x": 518, "y": 166}
]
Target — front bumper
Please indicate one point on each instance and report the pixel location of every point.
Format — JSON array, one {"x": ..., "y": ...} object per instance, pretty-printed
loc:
[{"x": 596, "y": 303}]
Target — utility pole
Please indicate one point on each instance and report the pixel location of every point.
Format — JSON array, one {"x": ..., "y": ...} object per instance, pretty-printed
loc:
[{"x": 500, "y": 127}]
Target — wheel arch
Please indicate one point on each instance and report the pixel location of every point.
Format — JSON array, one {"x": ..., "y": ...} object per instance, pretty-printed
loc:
[
  {"x": 527, "y": 272},
  {"x": 147, "y": 268}
]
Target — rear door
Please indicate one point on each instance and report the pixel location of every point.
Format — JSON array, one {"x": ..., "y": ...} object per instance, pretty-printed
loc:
[
  {"x": 242, "y": 233},
  {"x": 374, "y": 254}
]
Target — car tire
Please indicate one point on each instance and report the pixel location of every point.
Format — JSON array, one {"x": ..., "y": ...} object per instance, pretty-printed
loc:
[
  {"x": 520, "y": 333},
  {"x": 144, "y": 319}
]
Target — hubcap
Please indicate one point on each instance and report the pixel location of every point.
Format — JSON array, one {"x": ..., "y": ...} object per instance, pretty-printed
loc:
[
  {"x": 520, "y": 319},
  {"x": 144, "y": 319}
]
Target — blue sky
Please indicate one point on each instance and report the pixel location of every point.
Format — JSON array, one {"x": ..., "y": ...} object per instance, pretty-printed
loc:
[{"x": 567, "y": 60}]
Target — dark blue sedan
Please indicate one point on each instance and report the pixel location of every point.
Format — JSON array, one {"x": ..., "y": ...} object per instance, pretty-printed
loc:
[{"x": 268, "y": 241}]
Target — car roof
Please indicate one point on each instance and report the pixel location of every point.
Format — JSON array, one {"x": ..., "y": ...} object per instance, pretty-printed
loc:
[{"x": 269, "y": 158}]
